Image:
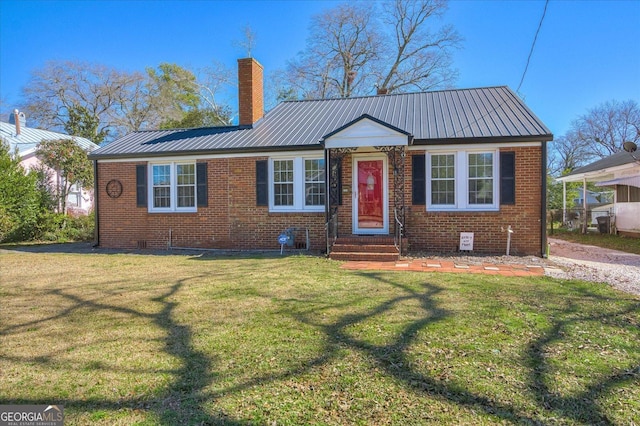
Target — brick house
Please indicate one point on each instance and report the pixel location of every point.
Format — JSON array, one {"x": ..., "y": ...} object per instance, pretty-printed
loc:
[{"x": 411, "y": 170}]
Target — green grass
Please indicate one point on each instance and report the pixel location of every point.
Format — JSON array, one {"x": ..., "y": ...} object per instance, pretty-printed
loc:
[
  {"x": 140, "y": 339},
  {"x": 616, "y": 242}
]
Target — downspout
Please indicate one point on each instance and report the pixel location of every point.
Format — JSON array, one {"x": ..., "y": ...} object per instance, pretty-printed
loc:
[
  {"x": 543, "y": 206},
  {"x": 584, "y": 205},
  {"x": 327, "y": 196},
  {"x": 564, "y": 202},
  {"x": 96, "y": 192}
]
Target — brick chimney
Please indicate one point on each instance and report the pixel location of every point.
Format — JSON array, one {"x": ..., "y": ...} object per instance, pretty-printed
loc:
[{"x": 250, "y": 91}]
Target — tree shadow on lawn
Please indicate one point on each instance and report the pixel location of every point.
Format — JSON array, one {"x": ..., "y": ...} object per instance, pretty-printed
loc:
[
  {"x": 581, "y": 406},
  {"x": 182, "y": 402},
  {"x": 393, "y": 357}
]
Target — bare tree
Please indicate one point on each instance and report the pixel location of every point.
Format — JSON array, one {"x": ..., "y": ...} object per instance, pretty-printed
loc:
[
  {"x": 607, "y": 126},
  {"x": 211, "y": 82},
  {"x": 353, "y": 48},
  {"x": 567, "y": 153},
  {"x": 98, "y": 101},
  {"x": 62, "y": 86},
  {"x": 420, "y": 57},
  {"x": 135, "y": 111},
  {"x": 341, "y": 51}
]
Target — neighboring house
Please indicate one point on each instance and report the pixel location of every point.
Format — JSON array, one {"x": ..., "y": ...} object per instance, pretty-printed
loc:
[
  {"x": 26, "y": 140},
  {"x": 621, "y": 172},
  {"x": 428, "y": 166},
  {"x": 594, "y": 198}
]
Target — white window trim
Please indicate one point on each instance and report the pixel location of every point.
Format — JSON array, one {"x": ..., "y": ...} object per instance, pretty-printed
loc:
[
  {"x": 174, "y": 188},
  {"x": 456, "y": 180},
  {"x": 461, "y": 164},
  {"x": 298, "y": 186}
]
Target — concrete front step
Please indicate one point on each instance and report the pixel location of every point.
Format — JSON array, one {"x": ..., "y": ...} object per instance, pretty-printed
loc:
[
  {"x": 365, "y": 256},
  {"x": 365, "y": 248},
  {"x": 366, "y": 240}
]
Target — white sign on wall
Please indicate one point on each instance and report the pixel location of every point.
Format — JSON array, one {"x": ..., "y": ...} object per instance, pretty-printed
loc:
[{"x": 466, "y": 241}]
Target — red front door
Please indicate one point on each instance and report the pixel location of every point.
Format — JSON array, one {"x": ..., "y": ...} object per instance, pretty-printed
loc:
[{"x": 370, "y": 196}]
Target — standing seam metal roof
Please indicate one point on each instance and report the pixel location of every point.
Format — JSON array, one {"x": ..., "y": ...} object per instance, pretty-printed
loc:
[
  {"x": 29, "y": 138},
  {"x": 438, "y": 117}
]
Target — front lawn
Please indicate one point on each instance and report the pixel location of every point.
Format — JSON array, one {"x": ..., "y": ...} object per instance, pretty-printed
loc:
[{"x": 150, "y": 339}]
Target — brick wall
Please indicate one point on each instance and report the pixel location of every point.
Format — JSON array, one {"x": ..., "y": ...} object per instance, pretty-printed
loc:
[
  {"x": 440, "y": 231},
  {"x": 233, "y": 221}
]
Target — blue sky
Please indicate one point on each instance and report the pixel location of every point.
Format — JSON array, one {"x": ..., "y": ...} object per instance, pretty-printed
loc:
[{"x": 587, "y": 52}]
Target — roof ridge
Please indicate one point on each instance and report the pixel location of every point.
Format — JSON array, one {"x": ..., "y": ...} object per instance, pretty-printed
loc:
[{"x": 459, "y": 89}]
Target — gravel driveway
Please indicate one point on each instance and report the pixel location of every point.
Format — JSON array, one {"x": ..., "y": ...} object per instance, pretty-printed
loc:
[{"x": 589, "y": 263}]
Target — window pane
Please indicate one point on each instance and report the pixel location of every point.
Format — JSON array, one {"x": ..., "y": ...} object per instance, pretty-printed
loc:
[
  {"x": 314, "y": 182},
  {"x": 283, "y": 182},
  {"x": 186, "y": 174},
  {"x": 162, "y": 175},
  {"x": 283, "y": 193},
  {"x": 481, "y": 178},
  {"x": 480, "y": 191},
  {"x": 314, "y": 194},
  {"x": 186, "y": 196},
  {"x": 162, "y": 196},
  {"x": 443, "y": 179},
  {"x": 186, "y": 185},
  {"x": 283, "y": 171}
]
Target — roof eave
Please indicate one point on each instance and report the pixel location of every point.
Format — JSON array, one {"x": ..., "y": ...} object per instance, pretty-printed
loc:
[
  {"x": 256, "y": 150},
  {"x": 484, "y": 139}
]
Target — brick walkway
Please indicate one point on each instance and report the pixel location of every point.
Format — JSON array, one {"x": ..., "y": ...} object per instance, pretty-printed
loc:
[{"x": 427, "y": 265}]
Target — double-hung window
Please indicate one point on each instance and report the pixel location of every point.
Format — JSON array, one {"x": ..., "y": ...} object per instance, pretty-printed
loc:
[
  {"x": 297, "y": 184},
  {"x": 283, "y": 183},
  {"x": 463, "y": 180},
  {"x": 443, "y": 180},
  {"x": 481, "y": 181},
  {"x": 173, "y": 187},
  {"x": 314, "y": 187}
]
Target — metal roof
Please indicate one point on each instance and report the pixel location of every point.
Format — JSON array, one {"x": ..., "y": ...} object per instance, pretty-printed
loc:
[
  {"x": 447, "y": 116},
  {"x": 29, "y": 138},
  {"x": 618, "y": 159}
]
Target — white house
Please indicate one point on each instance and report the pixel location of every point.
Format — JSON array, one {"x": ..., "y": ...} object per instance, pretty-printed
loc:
[
  {"x": 25, "y": 140},
  {"x": 620, "y": 171}
]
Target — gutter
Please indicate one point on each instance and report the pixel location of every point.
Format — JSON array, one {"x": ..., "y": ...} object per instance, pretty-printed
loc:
[{"x": 135, "y": 155}]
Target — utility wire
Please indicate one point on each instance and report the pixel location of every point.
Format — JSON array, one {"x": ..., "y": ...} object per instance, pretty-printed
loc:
[{"x": 532, "y": 46}]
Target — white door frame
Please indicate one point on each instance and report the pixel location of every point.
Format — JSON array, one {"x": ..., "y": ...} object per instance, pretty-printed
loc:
[{"x": 385, "y": 193}]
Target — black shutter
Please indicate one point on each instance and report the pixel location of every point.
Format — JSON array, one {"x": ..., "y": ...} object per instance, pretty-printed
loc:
[
  {"x": 507, "y": 178},
  {"x": 202, "y": 189},
  {"x": 141, "y": 185},
  {"x": 418, "y": 180},
  {"x": 262, "y": 183}
]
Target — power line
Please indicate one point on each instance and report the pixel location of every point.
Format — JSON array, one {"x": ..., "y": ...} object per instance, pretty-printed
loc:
[{"x": 532, "y": 46}]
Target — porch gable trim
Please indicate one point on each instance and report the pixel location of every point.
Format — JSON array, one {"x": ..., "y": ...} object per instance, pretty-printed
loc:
[{"x": 366, "y": 131}]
